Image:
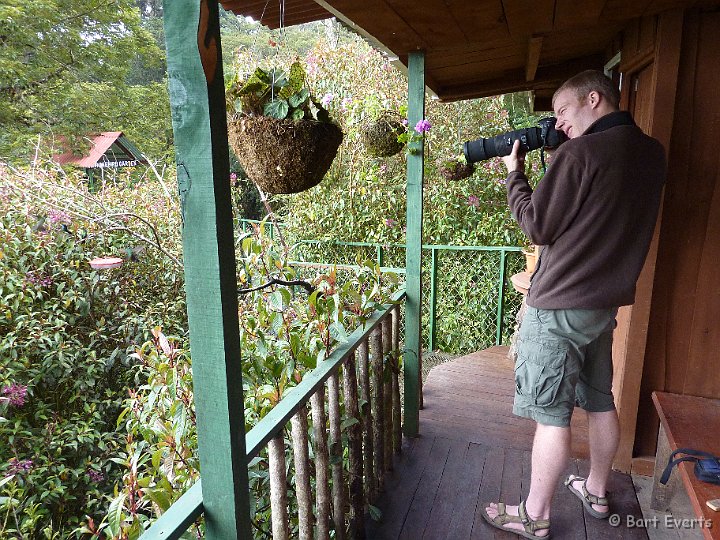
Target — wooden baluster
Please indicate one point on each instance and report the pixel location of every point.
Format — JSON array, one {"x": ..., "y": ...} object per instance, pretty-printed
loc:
[
  {"x": 367, "y": 421},
  {"x": 322, "y": 483},
  {"x": 355, "y": 472},
  {"x": 336, "y": 456},
  {"x": 299, "y": 424},
  {"x": 397, "y": 409},
  {"x": 377, "y": 406},
  {"x": 278, "y": 488},
  {"x": 387, "y": 392}
]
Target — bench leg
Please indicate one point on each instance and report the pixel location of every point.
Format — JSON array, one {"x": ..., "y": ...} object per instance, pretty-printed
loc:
[{"x": 662, "y": 495}]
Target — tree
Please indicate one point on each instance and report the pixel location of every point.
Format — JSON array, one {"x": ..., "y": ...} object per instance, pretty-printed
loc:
[{"x": 63, "y": 65}]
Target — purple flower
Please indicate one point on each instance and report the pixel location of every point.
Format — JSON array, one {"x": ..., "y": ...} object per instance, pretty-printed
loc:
[
  {"x": 95, "y": 476},
  {"x": 473, "y": 201},
  {"x": 36, "y": 278},
  {"x": 19, "y": 465},
  {"x": 58, "y": 216},
  {"x": 389, "y": 222},
  {"x": 326, "y": 99},
  {"x": 233, "y": 176},
  {"x": 405, "y": 122},
  {"x": 383, "y": 168},
  {"x": 346, "y": 102},
  {"x": 423, "y": 126},
  {"x": 15, "y": 393}
]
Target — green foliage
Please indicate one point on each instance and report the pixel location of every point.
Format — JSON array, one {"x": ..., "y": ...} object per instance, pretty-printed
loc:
[
  {"x": 284, "y": 334},
  {"x": 65, "y": 334},
  {"x": 275, "y": 94}
]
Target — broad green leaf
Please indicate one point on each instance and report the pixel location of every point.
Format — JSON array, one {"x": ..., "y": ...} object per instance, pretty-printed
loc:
[{"x": 277, "y": 108}]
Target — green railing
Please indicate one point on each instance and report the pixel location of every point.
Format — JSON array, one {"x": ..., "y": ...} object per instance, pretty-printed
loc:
[
  {"x": 469, "y": 303},
  {"x": 369, "y": 362}
]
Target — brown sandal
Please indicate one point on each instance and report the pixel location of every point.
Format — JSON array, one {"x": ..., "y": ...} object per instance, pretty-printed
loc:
[{"x": 530, "y": 525}]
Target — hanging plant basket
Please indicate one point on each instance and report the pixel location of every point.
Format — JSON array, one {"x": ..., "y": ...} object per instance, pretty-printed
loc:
[
  {"x": 284, "y": 156},
  {"x": 380, "y": 137},
  {"x": 455, "y": 169}
]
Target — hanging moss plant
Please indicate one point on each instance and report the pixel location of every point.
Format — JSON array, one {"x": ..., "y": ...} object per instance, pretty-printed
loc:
[
  {"x": 282, "y": 137},
  {"x": 380, "y": 136},
  {"x": 455, "y": 169}
]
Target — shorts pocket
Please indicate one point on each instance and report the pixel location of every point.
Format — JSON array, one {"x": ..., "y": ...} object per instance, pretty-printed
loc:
[{"x": 539, "y": 370}]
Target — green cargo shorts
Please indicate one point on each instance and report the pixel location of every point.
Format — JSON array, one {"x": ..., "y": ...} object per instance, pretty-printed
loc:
[{"x": 564, "y": 359}]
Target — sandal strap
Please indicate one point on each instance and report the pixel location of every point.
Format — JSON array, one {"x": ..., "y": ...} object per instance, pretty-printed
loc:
[
  {"x": 531, "y": 525},
  {"x": 592, "y": 499}
]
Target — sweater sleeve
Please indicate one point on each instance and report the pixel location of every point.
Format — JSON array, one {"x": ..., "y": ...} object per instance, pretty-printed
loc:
[{"x": 544, "y": 214}]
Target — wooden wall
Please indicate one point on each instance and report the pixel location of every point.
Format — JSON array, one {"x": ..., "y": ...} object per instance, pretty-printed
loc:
[{"x": 682, "y": 352}]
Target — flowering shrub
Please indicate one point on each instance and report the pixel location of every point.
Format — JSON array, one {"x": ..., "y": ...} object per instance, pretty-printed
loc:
[{"x": 65, "y": 330}]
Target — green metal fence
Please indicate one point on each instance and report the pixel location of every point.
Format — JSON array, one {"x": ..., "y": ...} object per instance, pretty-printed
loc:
[{"x": 468, "y": 301}]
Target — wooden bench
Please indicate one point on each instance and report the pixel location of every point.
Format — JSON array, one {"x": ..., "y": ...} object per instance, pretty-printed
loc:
[{"x": 687, "y": 422}]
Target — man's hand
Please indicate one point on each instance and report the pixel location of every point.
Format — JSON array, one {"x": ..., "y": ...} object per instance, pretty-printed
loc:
[{"x": 516, "y": 160}]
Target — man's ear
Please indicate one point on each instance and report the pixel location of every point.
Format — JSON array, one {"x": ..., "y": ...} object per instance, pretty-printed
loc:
[{"x": 594, "y": 99}]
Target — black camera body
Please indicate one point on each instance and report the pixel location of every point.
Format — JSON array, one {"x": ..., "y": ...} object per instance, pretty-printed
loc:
[{"x": 544, "y": 135}]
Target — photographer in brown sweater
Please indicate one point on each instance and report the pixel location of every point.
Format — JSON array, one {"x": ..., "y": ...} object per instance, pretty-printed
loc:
[{"x": 594, "y": 213}]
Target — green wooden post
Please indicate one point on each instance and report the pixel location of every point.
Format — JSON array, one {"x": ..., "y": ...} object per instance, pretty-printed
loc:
[
  {"x": 379, "y": 255},
  {"x": 413, "y": 252},
  {"x": 501, "y": 297},
  {"x": 433, "y": 296},
  {"x": 197, "y": 98}
]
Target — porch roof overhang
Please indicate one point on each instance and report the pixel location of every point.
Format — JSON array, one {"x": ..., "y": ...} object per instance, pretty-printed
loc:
[{"x": 481, "y": 48}]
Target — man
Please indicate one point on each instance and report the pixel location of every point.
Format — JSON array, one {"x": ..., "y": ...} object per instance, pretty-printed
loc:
[{"x": 594, "y": 212}]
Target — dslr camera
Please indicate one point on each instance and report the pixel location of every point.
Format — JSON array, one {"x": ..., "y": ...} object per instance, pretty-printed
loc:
[{"x": 544, "y": 135}]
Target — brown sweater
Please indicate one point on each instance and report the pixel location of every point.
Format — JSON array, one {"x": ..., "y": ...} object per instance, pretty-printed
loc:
[{"x": 594, "y": 212}]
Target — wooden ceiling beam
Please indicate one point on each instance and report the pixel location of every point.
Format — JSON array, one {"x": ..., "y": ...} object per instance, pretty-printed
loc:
[
  {"x": 533, "y": 57},
  {"x": 525, "y": 18},
  {"x": 546, "y": 78}
]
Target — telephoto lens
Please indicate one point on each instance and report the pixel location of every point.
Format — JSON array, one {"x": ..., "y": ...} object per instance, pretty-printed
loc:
[{"x": 501, "y": 145}]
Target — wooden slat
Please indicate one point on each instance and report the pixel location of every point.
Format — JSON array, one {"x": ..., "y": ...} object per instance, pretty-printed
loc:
[
  {"x": 336, "y": 457},
  {"x": 378, "y": 406},
  {"x": 355, "y": 466},
  {"x": 278, "y": 488},
  {"x": 322, "y": 469},
  {"x": 299, "y": 424},
  {"x": 533, "y": 57},
  {"x": 387, "y": 393},
  {"x": 363, "y": 361}
]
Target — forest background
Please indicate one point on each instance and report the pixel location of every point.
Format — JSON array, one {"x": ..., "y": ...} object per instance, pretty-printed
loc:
[{"x": 96, "y": 418}]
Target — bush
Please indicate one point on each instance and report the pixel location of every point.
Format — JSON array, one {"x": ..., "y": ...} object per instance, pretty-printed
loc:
[{"x": 65, "y": 334}]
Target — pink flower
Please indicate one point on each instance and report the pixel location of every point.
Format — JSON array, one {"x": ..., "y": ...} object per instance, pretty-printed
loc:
[
  {"x": 345, "y": 103},
  {"x": 95, "y": 476},
  {"x": 423, "y": 126},
  {"x": 390, "y": 222},
  {"x": 19, "y": 465},
  {"x": 233, "y": 176},
  {"x": 58, "y": 216},
  {"x": 15, "y": 393},
  {"x": 383, "y": 168},
  {"x": 326, "y": 99},
  {"x": 473, "y": 201}
]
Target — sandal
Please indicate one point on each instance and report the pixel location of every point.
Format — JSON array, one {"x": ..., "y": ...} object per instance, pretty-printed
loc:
[
  {"x": 587, "y": 498},
  {"x": 530, "y": 525}
]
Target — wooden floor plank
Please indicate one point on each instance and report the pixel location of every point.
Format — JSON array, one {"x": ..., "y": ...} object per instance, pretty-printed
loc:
[
  {"x": 468, "y": 491},
  {"x": 448, "y": 493},
  {"x": 489, "y": 492},
  {"x": 426, "y": 491}
]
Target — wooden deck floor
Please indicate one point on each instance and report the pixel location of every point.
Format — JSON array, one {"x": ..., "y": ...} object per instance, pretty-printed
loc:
[{"x": 473, "y": 450}]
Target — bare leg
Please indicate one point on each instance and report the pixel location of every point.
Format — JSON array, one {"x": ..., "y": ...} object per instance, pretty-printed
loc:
[
  {"x": 550, "y": 453},
  {"x": 604, "y": 433}
]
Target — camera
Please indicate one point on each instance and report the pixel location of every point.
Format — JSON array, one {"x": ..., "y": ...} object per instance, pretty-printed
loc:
[{"x": 544, "y": 135}]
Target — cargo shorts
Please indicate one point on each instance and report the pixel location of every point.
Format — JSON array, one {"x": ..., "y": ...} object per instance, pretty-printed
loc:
[{"x": 564, "y": 359}]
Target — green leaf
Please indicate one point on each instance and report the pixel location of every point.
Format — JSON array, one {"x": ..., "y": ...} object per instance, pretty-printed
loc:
[
  {"x": 277, "y": 108},
  {"x": 298, "y": 114},
  {"x": 375, "y": 512},
  {"x": 348, "y": 422},
  {"x": 115, "y": 513},
  {"x": 299, "y": 98}
]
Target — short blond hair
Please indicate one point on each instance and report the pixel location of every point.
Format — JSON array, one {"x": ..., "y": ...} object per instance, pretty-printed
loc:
[{"x": 588, "y": 81}]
